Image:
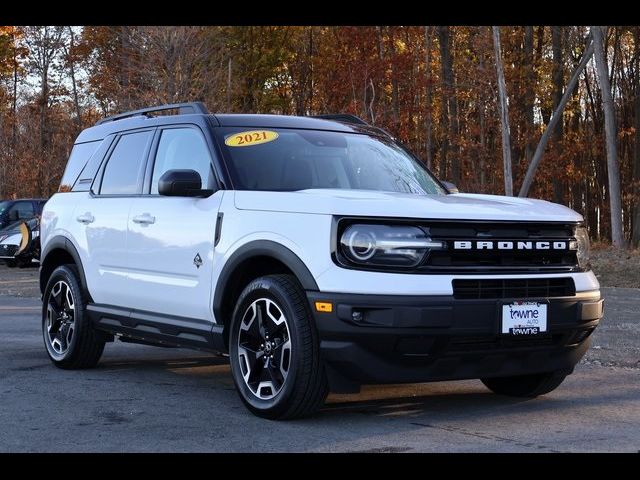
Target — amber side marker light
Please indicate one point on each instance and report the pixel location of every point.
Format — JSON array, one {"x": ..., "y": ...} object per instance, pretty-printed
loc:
[{"x": 324, "y": 307}]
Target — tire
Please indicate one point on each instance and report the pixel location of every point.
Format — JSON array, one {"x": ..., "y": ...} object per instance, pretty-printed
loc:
[
  {"x": 70, "y": 340},
  {"x": 291, "y": 381},
  {"x": 11, "y": 263},
  {"x": 525, "y": 386}
]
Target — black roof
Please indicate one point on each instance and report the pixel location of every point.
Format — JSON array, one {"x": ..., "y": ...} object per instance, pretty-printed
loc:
[{"x": 123, "y": 122}]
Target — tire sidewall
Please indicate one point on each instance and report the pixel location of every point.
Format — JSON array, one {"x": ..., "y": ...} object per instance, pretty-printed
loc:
[
  {"x": 266, "y": 288},
  {"x": 67, "y": 275}
]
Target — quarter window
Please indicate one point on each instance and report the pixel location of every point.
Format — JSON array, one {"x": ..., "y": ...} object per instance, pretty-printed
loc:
[
  {"x": 182, "y": 149},
  {"x": 122, "y": 173}
]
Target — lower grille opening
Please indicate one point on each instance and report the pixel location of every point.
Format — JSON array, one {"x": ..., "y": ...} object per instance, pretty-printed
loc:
[
  {"x": 470, "y": 343},
  {"x": 513, "y": 288}
]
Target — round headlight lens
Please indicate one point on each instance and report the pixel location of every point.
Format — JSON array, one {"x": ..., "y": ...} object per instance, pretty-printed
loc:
[{"x": 361, "y": 244}]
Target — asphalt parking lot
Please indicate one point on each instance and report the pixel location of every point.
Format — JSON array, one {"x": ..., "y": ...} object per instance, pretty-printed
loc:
[{"x": 146, "y": 399}]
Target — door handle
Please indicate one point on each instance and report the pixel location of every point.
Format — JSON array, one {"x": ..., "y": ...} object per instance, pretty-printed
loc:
[
  {"x": 85, "y": 218},
  {"x": 144, "y": 219}
]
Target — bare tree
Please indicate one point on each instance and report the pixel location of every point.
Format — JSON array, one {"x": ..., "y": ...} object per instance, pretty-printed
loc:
[
  {"x": 69, "y": 55},
  {"x": 449, "y": 107},
  {"x": 617, "y": 238},
  {"x": 504, "y": 114},
  {"x": 45, "y": 45},
  {"x": 635, "y": 236},
  {"x": 428, "y": 114},
  {"x": 557, "y": 114}
]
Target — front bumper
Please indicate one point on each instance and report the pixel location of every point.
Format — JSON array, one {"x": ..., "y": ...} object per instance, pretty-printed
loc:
[{"x": 406, "y": 339}]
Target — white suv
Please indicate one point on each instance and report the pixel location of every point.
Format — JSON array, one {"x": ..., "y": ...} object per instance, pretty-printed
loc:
[{"x": 318, "y": 252}]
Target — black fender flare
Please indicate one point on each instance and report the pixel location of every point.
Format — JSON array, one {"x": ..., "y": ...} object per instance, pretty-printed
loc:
[
  {"x": 62, "y": 243},
  {"x": 261, "y": 248}
]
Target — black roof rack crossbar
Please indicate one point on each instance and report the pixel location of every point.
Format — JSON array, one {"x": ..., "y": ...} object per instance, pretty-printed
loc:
[
  {"x": 183, "y": 108},
  {"x": 342, "y": 117}
]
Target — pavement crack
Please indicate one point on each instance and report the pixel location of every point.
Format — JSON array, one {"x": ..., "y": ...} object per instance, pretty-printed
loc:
[{"x": 485, "y": 436}]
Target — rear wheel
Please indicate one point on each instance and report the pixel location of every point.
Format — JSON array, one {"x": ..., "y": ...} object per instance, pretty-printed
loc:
[
  {"x": 525, "y": 385},
  {"x": 71, "y": 341},
  {"x": 274, "y": 350}
]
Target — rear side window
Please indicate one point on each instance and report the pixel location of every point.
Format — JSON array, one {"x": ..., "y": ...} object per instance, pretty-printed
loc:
[
  {"x": 79, "y": 157},
  {"x": 122, "y": 175}
]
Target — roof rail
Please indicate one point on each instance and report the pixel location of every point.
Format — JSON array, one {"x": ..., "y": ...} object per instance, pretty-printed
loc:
[
  {"x": 342, "y": 117},
  {"x": 183, "y": 108}
]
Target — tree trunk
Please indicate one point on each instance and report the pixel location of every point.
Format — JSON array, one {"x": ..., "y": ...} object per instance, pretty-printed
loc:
[
  {"x": 617, "y": 238},
  {"x": 14, "y": 106},
  {"x": 504, "y": 115},
  {"x": 450, "y": 117},
  {"x": 44, "y": 102},
  {"x": 542, "y": 144},
  {"x": 74, "y": 88},
  {"x": 428, "y": 100},
  {"x": 529, "y": 95},
  {"x": 557, "y": 75},
  {"x": 394, "y": 80},
  {"x": 635, "y": 237}
]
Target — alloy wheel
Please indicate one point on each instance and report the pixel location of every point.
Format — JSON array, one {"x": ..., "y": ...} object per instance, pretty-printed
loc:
[
  {"x": 264, "y": 348},
  {"x": 60, "y": 323}
]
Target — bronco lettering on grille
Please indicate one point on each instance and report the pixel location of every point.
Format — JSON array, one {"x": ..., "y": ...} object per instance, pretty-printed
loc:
[{"x": 509, "y": 245}]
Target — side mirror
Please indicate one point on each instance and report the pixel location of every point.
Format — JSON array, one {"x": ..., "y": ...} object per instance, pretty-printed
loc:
[
  {"x": 451, "y": 188},
  {"x": 182, "y": 183}
]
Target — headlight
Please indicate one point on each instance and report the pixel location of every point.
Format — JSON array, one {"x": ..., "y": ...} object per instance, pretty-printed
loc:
[
  {"x": 386, "y": 245},
  {"x": 582, "y": 247}
]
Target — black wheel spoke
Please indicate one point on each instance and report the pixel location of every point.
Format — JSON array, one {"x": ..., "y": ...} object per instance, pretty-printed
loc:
[{"x": 260, "y": 320}]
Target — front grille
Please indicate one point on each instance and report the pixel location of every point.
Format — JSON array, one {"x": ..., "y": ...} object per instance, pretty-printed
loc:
[
  {"x": 500, "y": 260},
  {"x": 513, "y": 288}
]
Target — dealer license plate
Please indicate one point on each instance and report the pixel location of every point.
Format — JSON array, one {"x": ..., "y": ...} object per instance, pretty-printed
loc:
[{"x": 524, "y": 318}]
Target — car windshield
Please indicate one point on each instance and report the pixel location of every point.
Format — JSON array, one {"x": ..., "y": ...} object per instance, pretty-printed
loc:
[
  {"x": 277, "y": 159},
  {"x": 3, "y": 206}
]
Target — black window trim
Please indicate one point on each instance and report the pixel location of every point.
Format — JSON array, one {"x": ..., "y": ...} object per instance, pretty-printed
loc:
[
  {"x": 96, "y": 186},
  {"x": 151, "y": 158}
]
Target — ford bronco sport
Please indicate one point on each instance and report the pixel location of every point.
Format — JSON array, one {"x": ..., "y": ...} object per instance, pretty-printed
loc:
[{"x": 318, "y": 252}]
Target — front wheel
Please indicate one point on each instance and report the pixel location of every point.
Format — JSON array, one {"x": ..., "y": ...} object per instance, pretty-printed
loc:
[
  {"x": 71, "y": 341},
  {"x": 527, "y": 386},
  {"x": 275, "y": 351}
]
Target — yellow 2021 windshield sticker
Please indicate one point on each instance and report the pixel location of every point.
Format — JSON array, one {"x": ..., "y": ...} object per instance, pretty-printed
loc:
[{"x": 250, "y": 137}]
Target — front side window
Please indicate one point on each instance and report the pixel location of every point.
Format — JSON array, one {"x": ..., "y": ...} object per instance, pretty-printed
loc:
[
  {"x": 289, "y": 160},
  {"x": 182, "y": 149},
  {"x": 123, "y": 171}
]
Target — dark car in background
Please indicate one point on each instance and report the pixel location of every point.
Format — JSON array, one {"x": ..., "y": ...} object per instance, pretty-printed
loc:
[
  {"x": 20, "y": 243},
  {"x": 12, "y": 211}
]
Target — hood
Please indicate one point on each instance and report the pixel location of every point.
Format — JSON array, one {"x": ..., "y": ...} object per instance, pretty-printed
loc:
[{"x": 460, "y": 206}]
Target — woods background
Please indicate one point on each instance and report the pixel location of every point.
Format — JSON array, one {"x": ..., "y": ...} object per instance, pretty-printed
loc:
[{"x": 435, "y": 88}]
